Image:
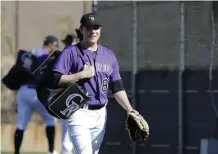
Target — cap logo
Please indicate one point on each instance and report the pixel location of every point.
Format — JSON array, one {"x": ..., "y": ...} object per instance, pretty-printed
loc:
[{"x": 92, "y": 18}]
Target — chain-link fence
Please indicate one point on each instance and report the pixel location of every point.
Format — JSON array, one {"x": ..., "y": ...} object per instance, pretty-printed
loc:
[
  {"x": 159, "y": 33},
  {"x": 165, "y": 50}
]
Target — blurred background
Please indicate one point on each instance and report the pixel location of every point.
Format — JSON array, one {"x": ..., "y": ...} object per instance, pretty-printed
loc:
[{"x": 167, "y": 52}]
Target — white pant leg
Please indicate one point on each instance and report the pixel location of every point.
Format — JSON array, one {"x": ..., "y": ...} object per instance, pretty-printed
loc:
[
  {"x": 24, "y": 108},
  {"x": 67, "y": 146},
  {"x": 97, "y": 133},
  {"x": 86, "y": 128},
  {"x": 81, "y": 139}
]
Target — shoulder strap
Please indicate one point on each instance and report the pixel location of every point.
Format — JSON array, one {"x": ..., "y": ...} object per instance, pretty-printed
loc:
[{"x": 81, "y": 54}]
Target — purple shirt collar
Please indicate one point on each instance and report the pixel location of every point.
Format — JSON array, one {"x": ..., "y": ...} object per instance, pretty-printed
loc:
[{"x": 87, "y": 51}]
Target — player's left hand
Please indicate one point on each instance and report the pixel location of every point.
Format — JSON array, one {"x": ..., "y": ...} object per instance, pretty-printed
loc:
[{"x": 137, "y": 128}]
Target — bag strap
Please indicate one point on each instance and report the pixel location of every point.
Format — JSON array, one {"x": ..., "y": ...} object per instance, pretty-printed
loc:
[{"x": 82, "y": 54}]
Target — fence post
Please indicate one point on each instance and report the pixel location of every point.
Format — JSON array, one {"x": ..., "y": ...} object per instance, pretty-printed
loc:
[
  {"x": 134, "y": 60},
  {"x": 213, "y": 46},
  {"x": 16, "y": 26},
  {"x": 94, "y": 5},
  {"x": 180, "y": 78}
]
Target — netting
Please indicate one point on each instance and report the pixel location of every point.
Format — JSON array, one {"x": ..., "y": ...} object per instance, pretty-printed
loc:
[{"x": 158, "y": 37}]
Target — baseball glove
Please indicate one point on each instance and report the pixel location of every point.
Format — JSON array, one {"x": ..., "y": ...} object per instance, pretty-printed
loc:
[{"x": 137, "y": 128}]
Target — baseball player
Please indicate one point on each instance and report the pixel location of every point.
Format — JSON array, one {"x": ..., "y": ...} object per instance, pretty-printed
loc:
[
  {"x": 67, "y": 146},
  {"x": 70, "y": 39},
  {"x": 27, "y": 101},
  {"x": 93, "y": 67}
]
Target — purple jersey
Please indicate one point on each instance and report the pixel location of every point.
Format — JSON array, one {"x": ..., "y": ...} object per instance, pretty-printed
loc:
[{"x": 72, "y": 60}]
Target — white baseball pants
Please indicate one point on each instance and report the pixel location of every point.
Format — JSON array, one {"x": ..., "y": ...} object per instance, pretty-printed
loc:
[
  {"x": 67, "y": 146},
  {"x": 87, "y": 129}
]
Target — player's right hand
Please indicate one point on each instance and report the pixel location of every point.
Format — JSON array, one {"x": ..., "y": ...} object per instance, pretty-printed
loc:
[{"x": 88, "y": 71}]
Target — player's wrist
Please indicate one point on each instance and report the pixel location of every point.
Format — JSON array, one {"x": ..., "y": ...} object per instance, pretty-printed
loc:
[
  {"x": 129, "y": 109},
  {"x": 82, "y": 75}
]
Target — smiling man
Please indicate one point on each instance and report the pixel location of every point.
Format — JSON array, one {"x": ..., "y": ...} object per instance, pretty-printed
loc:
[{"x": 93, "y": 67}]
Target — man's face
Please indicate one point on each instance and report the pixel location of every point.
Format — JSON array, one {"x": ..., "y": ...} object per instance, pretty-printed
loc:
[
  {"x": 91, "y": 34},
  {"x": 52, "y": 47}
]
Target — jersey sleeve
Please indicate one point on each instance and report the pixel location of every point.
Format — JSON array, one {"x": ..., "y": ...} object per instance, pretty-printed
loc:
[
  {"x": 65, "y": 61},
  {"x": 115, "y": 75}
]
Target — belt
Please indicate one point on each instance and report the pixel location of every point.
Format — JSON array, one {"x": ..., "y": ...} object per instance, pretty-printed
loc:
[{"x": 92, "y": 107}]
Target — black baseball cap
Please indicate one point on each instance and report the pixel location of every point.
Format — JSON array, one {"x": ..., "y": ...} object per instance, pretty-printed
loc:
[
  {"x": 69, "y": 38},
  {"x": 90, "y": 19},
  {"x": 51, "y": 39}
]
